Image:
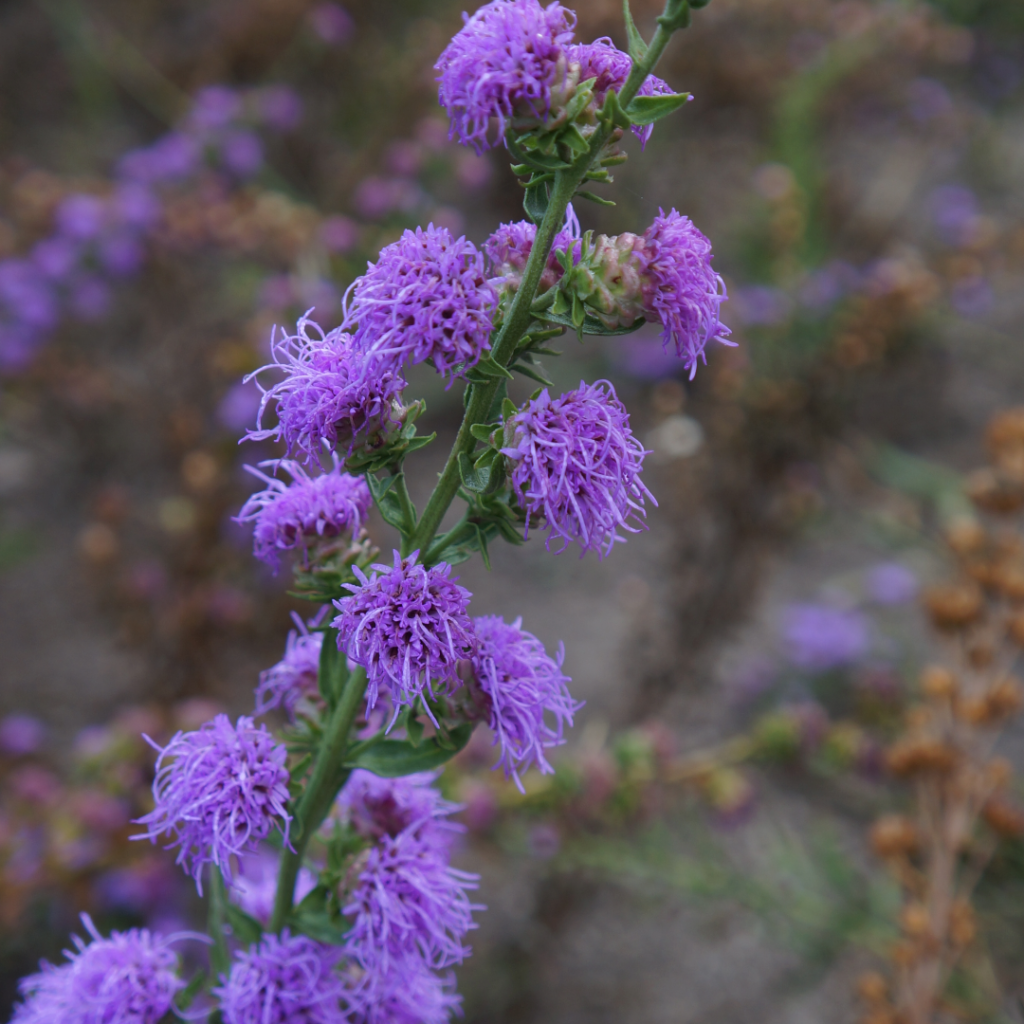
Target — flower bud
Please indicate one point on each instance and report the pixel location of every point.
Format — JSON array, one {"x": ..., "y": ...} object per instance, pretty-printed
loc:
[
  {"x": 965, "y": 536},
  {"x": 953, "y": 605},
  {"x": 1003, "y": 817},
  {"x": 894, "y": 835},
  {"x": 609, "y": 279},
  {"x": 1005, "y": 697},
  {"x": 920, "y": 756},
  {"x": 938, "y": 683},
  {"x": 873, "y": 988},
  {"x": 1009, "y": 579},
  {"x": 992, "y": 492},
  {"x": 915, "y": 920}
]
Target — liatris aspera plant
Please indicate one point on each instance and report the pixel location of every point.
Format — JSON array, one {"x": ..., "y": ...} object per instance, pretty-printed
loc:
[{"x": 387, "y": 681}]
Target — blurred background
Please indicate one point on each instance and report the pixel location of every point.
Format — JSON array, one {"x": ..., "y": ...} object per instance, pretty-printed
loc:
[{"x": 176, "y": 177}]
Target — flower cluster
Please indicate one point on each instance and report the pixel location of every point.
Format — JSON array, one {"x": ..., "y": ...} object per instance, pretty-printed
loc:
[
  {"x": 130, "y": 978},
  {"x": 377, "y": 807},
  {"x": 311, "y": 508},
  {"x": 575, "y": 465},
  {"x": 426, "y": 297},
  {"x": 218, "y": 791},
  {"x": 407, "y": 626},
  {"x": 509, "y": 248},
  {"x": 507, "y": 62},
  {"x": 330, "y": 396},
  {"x": 520, "y": 684}
]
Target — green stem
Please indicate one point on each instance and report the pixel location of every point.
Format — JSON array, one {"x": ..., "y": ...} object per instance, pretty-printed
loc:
[
  {"x": 329, "y": 775},
  {"x": 220, "y": 958}
]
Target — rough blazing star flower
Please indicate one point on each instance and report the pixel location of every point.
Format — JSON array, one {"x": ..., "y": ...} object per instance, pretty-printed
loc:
[
  {"x": 407, "y": 904},
  {"x": 509, "y": 248},
  {"x": 218, "y": 792},
  {"x": 520, "y": 684},
  {"x": 255, "y": 886},
  {"x": 507, "y": 61},
  {"x": 576, "y": 466},
  {"x": 426, "y": 297},
  {"x": 288, "y": 516},
  {"x": 282, "y": 980},
  {"x": 407, "y": 626},
  {"x": 295, "y": 676},
  {"x": 603, "y": 60},
  {"x": 680, "y": 289},
  {"x": 407, "y": 994},
  {"x": 130, "y": 978},
  {"x": 378, "y": 807},
  {"x": 819, "y": 637},
  {"x": 332, "y": 393}
]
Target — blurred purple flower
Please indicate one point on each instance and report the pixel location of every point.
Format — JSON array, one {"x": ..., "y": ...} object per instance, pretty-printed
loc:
[
  {"x": 81, "y": 217},
  {"x": 27, "y": 296},
  {"x": 238, "y": 407},
  {"x": 295, "y": 676},
  {"x": 332, "y": 23},
  {"x": 136, "y": 206},
  {"x": 279, "y": 107},
  {"x": 543, "y": 841},
  {"x": 642, "y": 358},
  {"x": 824, "y": 287},
  {"x": 819, "y": 637},
  {"x": 928, "y": 99},
  {"x": 241, "y": 152},
  {"x": 172, "y": 157},
  {"x": 121, "y": 254},
  {"x": 955, "y": 212},
  {"x": 972, "y": 297},
  {"x": 214, "y": 107},
  {"x": 90, "y": 297},
  {"x": 56, "y": 257},
  {"x": 255, "y": 886},
  {"x": 21, "y": 734},
  {"x": 340, "y": 234},
  {"x": 407, "y": 993},
  {"x": 760, "y": 305},
  {"x": 891, "y": 583}
]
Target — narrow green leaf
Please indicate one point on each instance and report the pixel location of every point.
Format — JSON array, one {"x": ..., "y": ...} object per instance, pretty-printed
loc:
[
  {"x": 533, "y": 373},
  {"x": 508, "y": 410},
  {"x": 594, "y": 198},
  {"x": 574, "y": 141},
  {"x": 418, "y": 442},
  {"x": 318, "y": 925},
  {"x": 245, "y": 928},
  {"x": 559, "y": 307},
  {"x": 535, "y": 202},
  {"x": 489, "y": 368},
  {"x": 333, "y": 671},
  {"x": 391, "y": 759},
  {"x": 414, "y": 730},
  {"x": 593, "y": 326},
  {"x": 637, "y": 46},
  {"x": 579, "y": 313},
  {"x": 184, "y": 999},
  {"x": 482, "y": 431},
  {"x": 648, "y": 109}
]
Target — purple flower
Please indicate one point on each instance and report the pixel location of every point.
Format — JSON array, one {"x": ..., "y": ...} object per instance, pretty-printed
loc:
[
  {"x": 294, "y": 676},
  {"x": 761, "y": 305},
  {"x": 520, "y": 685},
  {"x": 309, "y": 509},
  {"x": 90, "y": 297},
  {"x": 56, "y": 257},
  {"x": 955, "y": 213},
  {"x": 81, "y": 217},
  {"x": 332, "y": 393},
  {"x": 409, "y": 993},
  {"x": 136, "y": 206},
  {"x": 218, "y": 792},
  {"x": 377, "y": 807},
  {"x": 576, "y": 466},
  {"x": 407, "y": 626},
  {"x": 27, "y": 296},
  {"x": 408, "y": 904},
  {"x": 509, "y": 248},
  {"x": 681, "y": 291},
  {"x": 602, "y": 60},
  {"x": 255, "y": 886},
  {"x": 129, "y": 978},
  {"x": 283, "y": 980},
  {"x": 332, "y": 23},
  {"x": 280, "y": 107},
  {"x": 507, "y": 61},
  {"x": 241, "y": 152},
  {"x": 121, "y": 254},
  {"x": 172, "y": 157},
  {"x": 214, "y": 107},
  {"x": 426, "y": 297},
  {"x": 891, "y": 583},
  {"x": 238, "y": 407},
  {"x": 340, "y": 234},
  {"x": 21, "y": 735},
  {"x": 820, "y": 638}
]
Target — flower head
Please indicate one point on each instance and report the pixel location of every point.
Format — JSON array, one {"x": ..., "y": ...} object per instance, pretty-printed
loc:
[
  {"x": 332, "y": 393},
  {"x": 378, "y": 807},
  {"x": 288, "y": 516},
  {"x": 407, "y": 626},
  {"x": 819, "y": 637},
  {"x": 576, "y": 466},
  {"x": 408, "y": 903},
  {"x": 426, "y": 297},
  {"x": 605, "y": 62},
  {"x": 680, "y": 289},
  {"x": 521, "y": 684},
  {"x": 409, "y": 993},
  {"x": 507, "y": 61},
  {"x": 509, "y": 248},
  {"x": 218, "y": 791},
  {"x": 130, "y": 978},
  {"x": 282, "y": 980},
  {"x": 295, "y": 676}
]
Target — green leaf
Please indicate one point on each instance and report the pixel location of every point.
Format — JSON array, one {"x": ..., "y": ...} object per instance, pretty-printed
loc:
[
  {"x": 508, "y": 410},
  {"x": 333, "y": 671},
  {"x": 488, "y": 368},
  {"x": 648, "y": 109},
  {"x": 533, "y": 373},
  {"x": 184, "y": 999},
  {"x": 414, "y": 730},
  {"x": 535, "y": 202},
  {"x": 416, "y": 443},
  {"x": 391, "y": 759},
  {"x": 245, "y": 927},
  {"x": 676, "y": 16},
  {"x": 637, "y": 46},
  {"x": 482, "y": 431},
  {"x": 319, "y": 925},
  {"x": 500, "y": 394},
  {"x": 593, "y": 326},
  {"x": 573, "y": 139},
  {"x": 473, "y": 479},
  {"x": 594, "y": 198}
]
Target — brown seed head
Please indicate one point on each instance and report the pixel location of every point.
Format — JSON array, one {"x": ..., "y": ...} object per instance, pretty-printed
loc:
[
  {"x": 1015, "y": 628},
  {"x": 1003, "y": 817},
  {"x": 1009, "y": 578},
  {"x": 994, "y": 492},
  {"x": 965, "y": 536},
  {"x": 1006, "y": 697},
  {"x": 915, "y": 921},
  {"x": 1005, "y": 434},
  {"x": 894, "y": 835},
  {"x": 962, "y": 923},
  {"x": 938, "y": 683},
  {"x": 953, "y": 605},
  {"x": 918, "y": 755},
  {"x": 873, "y": 988},
  {"x": 903, "y": 954},
  {"x": 973, "y": 710}
]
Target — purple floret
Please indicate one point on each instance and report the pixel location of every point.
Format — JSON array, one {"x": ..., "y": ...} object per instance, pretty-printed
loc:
[
  {"x": 681, "y": 291},
  {"x": 408, "y": 993},
  {"x": 310, "y": 508},
  {"x": 426, "y": 297},
  {"x": 604, "y": 61},
  {"x": 332, "y": 393},
  {"x": 576, "y": 467},
  {"x": 509, "y": 248},
  {"x": 130, "y": 978},
  {"x": 377, "y": 807},
  {"x": 521, "y": 684},
  {"x": 505, "y": 62},
  {"x": 283, "y": 980},
  {"x": 295, "y": 676},
  {"x": 218, "y": 792},
  {"x": 408, "y": 904},
  {"x": 407, "y": 626}
]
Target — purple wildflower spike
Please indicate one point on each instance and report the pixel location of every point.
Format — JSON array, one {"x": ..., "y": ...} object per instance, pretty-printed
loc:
[
  {"x": 681, "y": 291},
  {"x": 407, "y": 994},
  {"x": 407, "y": 626},
  {"x": 378, "y": 807},
  {"x": 218, "y": 791},
  {"x": 130, "y": 978},
  {"x": 289, "y": 516},
  {"x": 507, "y": 61},
  {"x": 295, "y": 676},
  {"x": 408, "y": 903},
  {"x": 332, "y": 393},
  {"x": 520, "y": 685},
  {"x": 284, "y": 979},
  {"x": 576, "y": 466},
  {"x": 426, "y": 297},
  {"x": 602, "y": 60}
]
